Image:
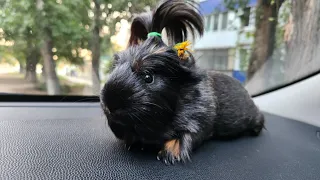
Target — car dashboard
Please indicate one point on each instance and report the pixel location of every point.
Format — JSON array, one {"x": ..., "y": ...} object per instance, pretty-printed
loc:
[{"x": 72, "y": 141}]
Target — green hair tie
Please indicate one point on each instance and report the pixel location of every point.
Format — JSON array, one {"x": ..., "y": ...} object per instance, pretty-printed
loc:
[{"x": 154, "y": 34}]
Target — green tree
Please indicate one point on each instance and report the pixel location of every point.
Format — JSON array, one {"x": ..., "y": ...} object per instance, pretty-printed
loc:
[
  {"x": 17, "y": 23},
  {"x": 108, "y": 13},
  {"x": 265, "y": 30},
  {"x": 58, "y": 27},
  {"x": 265, "y": 34},
  {"x": 62, "y": 28}
]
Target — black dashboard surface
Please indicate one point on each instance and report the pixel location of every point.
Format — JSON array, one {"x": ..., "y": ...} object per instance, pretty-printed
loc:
[{"x": 73, "y": 142}]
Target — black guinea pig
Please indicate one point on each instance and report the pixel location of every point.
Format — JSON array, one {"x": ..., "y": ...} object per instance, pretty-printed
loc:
[{"x": 156, "y": 96}]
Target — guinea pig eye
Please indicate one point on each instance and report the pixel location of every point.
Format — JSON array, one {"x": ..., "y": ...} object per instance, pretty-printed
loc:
[{"x": 148, "y": 78}]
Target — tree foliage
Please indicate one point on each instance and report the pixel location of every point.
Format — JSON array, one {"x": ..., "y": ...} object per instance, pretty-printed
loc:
[
  {"x": 68, "y": 25},
  {"x": 235, "y": 5},
  {"x": 108, "y": 14},
  {"x": 18, "y": 19},
  {"x": 71, "y": 23},
  {"x": 266, "y": 32}
]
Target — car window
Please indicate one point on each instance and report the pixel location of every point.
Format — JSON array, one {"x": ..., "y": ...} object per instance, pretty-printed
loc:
[{"x": 66, "y": 47}]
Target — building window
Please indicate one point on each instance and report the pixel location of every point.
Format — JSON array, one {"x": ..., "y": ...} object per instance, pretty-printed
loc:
[
  {"x": 245, "y": 17},
  {"x": 213, "y": 59},
  {"x": 208, "y": 22},
  {"x": 224, "y": 21},
  {"x": 215, "y": 21},
  {"x": 219, "y": 63},
  {"x": 252, "y": 17}
]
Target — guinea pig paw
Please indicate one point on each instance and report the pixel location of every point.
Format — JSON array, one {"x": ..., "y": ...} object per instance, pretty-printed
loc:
[
  {"x": 170, "y": 153},
  {"x": 167, "y": 157}
]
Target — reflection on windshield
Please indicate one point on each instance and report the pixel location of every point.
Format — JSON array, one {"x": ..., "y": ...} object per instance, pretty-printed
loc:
[{"x": 67, "y": 46}]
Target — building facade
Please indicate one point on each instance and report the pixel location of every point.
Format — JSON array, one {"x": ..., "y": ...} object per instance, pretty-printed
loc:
[{"x": 226, "y": 43}]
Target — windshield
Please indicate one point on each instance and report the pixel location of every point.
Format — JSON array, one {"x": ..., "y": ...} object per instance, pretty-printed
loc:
[{"x": 66, "y": 47}]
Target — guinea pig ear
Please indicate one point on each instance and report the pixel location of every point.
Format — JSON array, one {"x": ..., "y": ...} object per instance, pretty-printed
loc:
[{"x": 140, "y": 27}]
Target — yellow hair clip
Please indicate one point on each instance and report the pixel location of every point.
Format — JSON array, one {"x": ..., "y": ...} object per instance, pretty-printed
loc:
[{"x": 182, "y": 48}]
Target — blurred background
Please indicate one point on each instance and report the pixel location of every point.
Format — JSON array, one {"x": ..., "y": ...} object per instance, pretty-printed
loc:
[{"x": 65, "y": 47}]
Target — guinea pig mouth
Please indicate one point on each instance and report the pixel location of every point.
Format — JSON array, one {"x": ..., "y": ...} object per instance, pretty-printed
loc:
[{"x": 119, "y": 117}]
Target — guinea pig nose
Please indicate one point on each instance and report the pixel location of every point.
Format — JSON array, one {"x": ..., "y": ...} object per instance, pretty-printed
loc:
[
  {"x": 115, "y": 105},
  {"x": 116, "y": 99}
]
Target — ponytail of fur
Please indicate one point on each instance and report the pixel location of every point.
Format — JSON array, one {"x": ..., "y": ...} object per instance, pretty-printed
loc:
[
  {"x": 175, "y": 16},
  {"x": 140, "y": 27}
]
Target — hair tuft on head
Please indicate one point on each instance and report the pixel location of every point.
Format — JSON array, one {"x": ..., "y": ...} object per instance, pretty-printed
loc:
[{"x": 177, "y": 17}]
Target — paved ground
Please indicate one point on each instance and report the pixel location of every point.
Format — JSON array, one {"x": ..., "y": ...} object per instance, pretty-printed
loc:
[{"x": 14, "y": 83}]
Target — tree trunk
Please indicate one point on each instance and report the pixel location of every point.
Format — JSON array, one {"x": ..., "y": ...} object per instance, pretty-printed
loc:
[
  {"x": 31, "y": 64},
  {"x": 95, "y": 48},
  {"x": 21, "y": 68},
  {"x": 43, "y": 74},
  {"x": 264, "y": 37},
  {"x": 303, "y": 55},
  {"x": 52, "y": 81},
  {"x": 31, "y": 74}
]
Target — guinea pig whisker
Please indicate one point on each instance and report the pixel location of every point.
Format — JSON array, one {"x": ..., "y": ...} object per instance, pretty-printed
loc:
[
  {"x": 150, "y": 103},
  {"x": 148, "y": 114},
  {"x": 141, "y": 121},
  {"x": 137, "y": 117},
  {"x": 130, "y": 115},
  {"x": 143, "y": 112}
]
